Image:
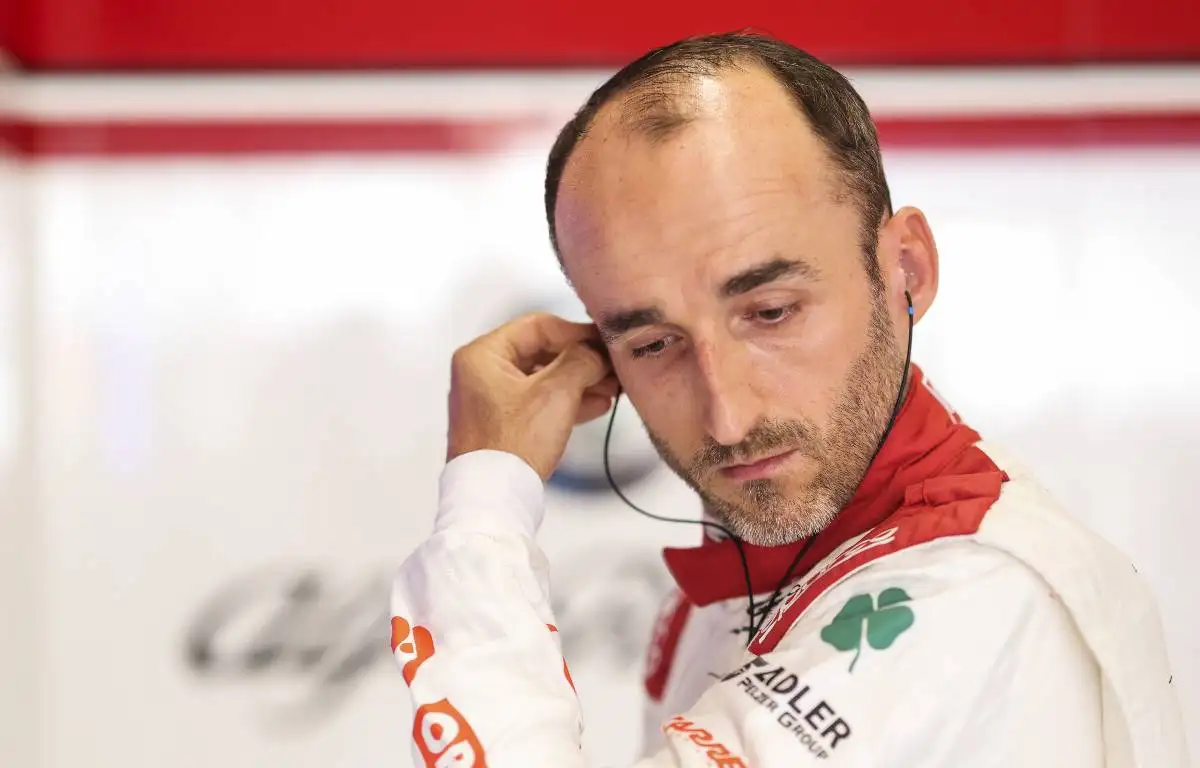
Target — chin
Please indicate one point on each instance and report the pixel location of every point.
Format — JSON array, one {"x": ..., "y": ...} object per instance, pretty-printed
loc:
[{"x": 774, "y": 519}]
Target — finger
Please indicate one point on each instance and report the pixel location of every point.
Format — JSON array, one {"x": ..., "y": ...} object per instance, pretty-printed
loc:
[
  {"x": 537, "y": 338},
  {"x": 593, "y": 407},
  {"x": 576, "y": 368},
  {"x": 610, "y": 387}
]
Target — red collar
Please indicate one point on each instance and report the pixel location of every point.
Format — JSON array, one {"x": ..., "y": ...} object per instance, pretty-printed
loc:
[{"x": 925, "y": 441}]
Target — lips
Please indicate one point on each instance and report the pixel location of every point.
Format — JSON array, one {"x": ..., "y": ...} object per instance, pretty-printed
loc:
[{"x": 758, "y": 470}]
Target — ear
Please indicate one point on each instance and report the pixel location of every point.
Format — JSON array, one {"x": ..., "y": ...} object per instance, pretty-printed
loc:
[{"x": 910, "y": 259}]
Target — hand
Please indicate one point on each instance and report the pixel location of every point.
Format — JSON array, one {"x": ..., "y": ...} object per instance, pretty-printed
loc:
[{"x": 524, "y": 386}]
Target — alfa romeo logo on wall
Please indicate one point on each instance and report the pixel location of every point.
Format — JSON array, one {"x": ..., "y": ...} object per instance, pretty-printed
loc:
[{"x": 299, "y": 639}]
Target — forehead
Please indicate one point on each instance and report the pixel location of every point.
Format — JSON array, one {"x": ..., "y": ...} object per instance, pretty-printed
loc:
[{"x": 745, "y": 164}]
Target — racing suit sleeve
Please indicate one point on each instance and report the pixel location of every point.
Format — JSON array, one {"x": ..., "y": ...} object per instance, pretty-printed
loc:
[
  {"x": 959, "y": 658},
  {"x": 475, "y": 639}
]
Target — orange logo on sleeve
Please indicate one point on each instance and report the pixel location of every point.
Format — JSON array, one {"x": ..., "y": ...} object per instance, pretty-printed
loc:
[
  {"x": 412, "y": 647},
  {"x": 445, "y": 739}
]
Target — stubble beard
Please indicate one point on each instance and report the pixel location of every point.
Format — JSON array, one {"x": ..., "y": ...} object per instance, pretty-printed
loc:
[{"x": 763, "y": 514}]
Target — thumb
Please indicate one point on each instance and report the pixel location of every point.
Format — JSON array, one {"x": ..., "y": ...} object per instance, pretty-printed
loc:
[{"x": 577, "y": 367}]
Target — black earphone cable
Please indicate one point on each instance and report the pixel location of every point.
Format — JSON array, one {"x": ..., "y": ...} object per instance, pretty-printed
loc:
[
  {"x": 751, "y": 609},
  {"x": 616, "y": 489}
]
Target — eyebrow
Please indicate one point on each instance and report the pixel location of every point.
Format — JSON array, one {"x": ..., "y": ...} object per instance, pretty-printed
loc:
[
  {"x": 748, "y": 280},
  {"x": 614, "y": 325}
]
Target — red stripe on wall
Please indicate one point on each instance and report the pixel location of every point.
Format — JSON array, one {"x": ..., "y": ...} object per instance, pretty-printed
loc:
[
  {"x": 168, "y": 138},
  {"x": 223, "y": 138},
  {"x": 316, "y": 34},
  {"x": 1034, "y": 131},
  {"x": 12, "y": 26}
]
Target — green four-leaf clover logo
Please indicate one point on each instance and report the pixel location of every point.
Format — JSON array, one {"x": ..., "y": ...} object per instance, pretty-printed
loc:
[{"x": 883, "y": 623}]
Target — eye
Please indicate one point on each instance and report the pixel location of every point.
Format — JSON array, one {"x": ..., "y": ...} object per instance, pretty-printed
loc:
[
  {"x": 653, "y": 348},
  {"x": 773, "y": 315}
]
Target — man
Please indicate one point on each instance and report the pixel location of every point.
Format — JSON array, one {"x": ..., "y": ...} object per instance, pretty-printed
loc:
[{"x": 914, "y": 599}]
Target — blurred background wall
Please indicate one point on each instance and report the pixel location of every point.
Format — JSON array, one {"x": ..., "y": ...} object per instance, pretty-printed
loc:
[{"x": 239, "y": 241}]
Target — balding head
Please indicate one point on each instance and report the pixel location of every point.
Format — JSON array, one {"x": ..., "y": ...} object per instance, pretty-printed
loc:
[
  {"x": 664, "y": 91},
  {"x": 654, "y": 168}
]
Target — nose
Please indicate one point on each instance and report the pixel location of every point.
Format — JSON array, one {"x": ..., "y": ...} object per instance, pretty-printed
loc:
[{"x": 732, "y": 405}]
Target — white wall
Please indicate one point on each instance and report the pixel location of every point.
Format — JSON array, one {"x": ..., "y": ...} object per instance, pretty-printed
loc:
[
  {"x": 242, "y": 372},
  {"x": 20, "y": 545}
]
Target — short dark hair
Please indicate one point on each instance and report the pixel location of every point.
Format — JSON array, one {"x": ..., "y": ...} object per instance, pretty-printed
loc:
[{"x": 837, "y": 114}]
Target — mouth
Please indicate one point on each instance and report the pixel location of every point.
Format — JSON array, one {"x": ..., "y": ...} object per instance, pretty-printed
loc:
[{"x": 757, "y": 470}]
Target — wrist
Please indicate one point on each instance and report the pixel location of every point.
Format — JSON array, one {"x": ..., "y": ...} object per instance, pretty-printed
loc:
[{"x": 491, "y": 491}]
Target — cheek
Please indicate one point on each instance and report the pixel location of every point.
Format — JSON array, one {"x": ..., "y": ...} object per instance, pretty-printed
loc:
[
  {"x": 800, "y": 373},
  {"x": 665, "y": 403},
  {"x": 780, "y": 370}
]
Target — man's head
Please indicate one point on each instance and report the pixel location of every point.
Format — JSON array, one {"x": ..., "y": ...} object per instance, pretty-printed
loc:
[{"x": 721, "y": 209}]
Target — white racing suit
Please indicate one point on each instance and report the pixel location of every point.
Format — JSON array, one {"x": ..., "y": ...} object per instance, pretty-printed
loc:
[{"x": 951, "y": 616}]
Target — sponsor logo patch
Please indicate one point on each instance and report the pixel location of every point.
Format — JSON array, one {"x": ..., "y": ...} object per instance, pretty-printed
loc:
[
  {"x": 883, "y": 619},
  {"x": 445, "y": 739},
  {"x": 715, "y": 751},
  {"x": 797, "y": 707}
]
